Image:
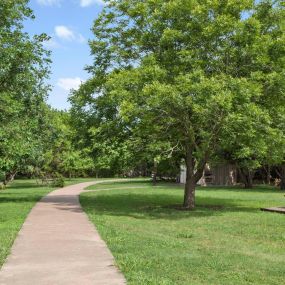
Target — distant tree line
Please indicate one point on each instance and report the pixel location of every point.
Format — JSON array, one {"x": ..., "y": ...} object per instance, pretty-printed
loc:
[
  {"x": 35, "y": 141},
  {"x": 176, "y": 81},
  {"x": 186, "y": 80}
]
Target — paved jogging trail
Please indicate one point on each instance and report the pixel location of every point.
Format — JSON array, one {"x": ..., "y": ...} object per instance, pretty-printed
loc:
[{"x": 58, "y": 245}]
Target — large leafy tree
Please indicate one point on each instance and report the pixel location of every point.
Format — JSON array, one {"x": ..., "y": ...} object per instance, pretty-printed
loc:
[
  {"x": 272, "y": 18},
  {"x": 23, "y": 69},
  {"x": 260, "y": 53},
  {"x": 182, "y": 74}
]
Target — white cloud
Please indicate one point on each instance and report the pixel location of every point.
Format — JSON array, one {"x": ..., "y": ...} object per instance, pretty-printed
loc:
[
  {"x": 66, "y": 34},
  {"x": 69, "y": 83},
  {"x": 87, "y": 3},
  {"x": 49, "y": 2}
]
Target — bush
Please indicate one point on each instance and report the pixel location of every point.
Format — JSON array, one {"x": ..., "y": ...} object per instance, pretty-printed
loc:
[
  {"x": 2, "y": 176},
  {"x": 58, "y": 181}
]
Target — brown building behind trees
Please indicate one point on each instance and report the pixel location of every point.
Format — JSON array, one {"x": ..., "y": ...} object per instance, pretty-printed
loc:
[{"x": 219, "y": 175}]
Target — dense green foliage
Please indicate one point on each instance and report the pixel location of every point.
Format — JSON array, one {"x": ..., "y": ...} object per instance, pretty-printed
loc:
[
  {"x": 34, "y": 139},
  {"x": 23, "y": 69},
  {"x": 185, "y": 79},
  {"x": 60, "y": 156},
  {"x": 171, "y": 82},
  {"x": 255, "y": 139},
  {"x": 225, "y": 240}
]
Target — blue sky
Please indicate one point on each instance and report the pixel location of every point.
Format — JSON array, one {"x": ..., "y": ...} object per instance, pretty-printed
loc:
[{"x": 68, "y": 22}]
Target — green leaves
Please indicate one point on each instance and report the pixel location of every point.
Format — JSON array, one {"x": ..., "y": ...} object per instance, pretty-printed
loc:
[
  {"x": 187, "y": 78},
  {"x": 23, "y": 70}
]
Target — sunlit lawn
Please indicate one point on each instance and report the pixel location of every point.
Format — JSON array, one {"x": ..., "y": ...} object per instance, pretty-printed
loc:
[{"x": 226, "y": 240}]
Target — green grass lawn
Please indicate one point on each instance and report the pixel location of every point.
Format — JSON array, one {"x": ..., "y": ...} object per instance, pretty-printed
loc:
[
  {"x": 15, "y": 203},
  {"x": 226, "y": 240}
]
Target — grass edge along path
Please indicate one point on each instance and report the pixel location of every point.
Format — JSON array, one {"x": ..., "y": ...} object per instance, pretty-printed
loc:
[{"x": 227, "y": 240}]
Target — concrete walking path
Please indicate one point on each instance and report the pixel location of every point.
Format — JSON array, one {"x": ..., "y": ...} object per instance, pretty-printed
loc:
[{"x": 58, "y": 245}]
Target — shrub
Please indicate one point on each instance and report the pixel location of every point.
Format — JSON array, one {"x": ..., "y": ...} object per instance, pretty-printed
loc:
[{"x": 58, "y": 181}]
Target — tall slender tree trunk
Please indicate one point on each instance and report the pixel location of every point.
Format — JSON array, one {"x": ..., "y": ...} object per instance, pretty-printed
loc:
[
  {"x": 249, "y": 182},
  {"x": 281, "y": 173},
  {"x": 247, "y": 177},
  {"x": 154, "y": 173},
  {"x": 268, "y": 174},
  {"x": 189, "y": 192},
  {"x": 193, "y": 175},
  {"x": 194, "y": 172}
]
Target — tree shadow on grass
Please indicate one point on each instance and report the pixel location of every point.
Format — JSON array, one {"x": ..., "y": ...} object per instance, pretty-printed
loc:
[
  {"x": 155, "y": 206},
  {"x": 118, "y": 183},
  {"x": 238, "y": 189},
  {"x": 13, "y": 198},
  {"x": 173, "y": 186},
  {"x": 24, "y": 186}
]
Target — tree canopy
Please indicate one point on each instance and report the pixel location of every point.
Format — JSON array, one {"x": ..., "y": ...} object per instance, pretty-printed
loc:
[
  {"x": 176, "y": 81},
  {"x": 186, "y": 78},
  {"x": 24, "y": 65}
]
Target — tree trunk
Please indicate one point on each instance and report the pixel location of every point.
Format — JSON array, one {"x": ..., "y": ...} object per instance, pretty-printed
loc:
[
  {"x": 281, "y": 172},
  {"x": 189, "y": 193},
  {"x": 247, "y": 177},
  {"x": 268, "y": 175},
  {"x": 154, "y": 174},
  {"x": 248, "y": 184},
  {"x": 10, "y": 177},
  {"x": 192, "y": 178}
]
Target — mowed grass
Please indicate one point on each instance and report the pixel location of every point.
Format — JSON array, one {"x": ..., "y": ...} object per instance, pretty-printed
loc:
[
  {"x": 15, "y": 204},
  {"x": 226, "y": 240}
]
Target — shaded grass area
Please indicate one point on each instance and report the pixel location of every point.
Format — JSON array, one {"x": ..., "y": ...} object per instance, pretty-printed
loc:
[
  {"x": 226, "y": 240},
  {"x": 15, "y": 204}
]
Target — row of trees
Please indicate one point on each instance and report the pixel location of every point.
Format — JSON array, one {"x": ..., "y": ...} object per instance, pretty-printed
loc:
[
  {"x": 171, "y": 81},
  {"x": 23, "y": 65},
  {"x": 34, "y": 139},
  {"x": 185, "y": 79}
]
